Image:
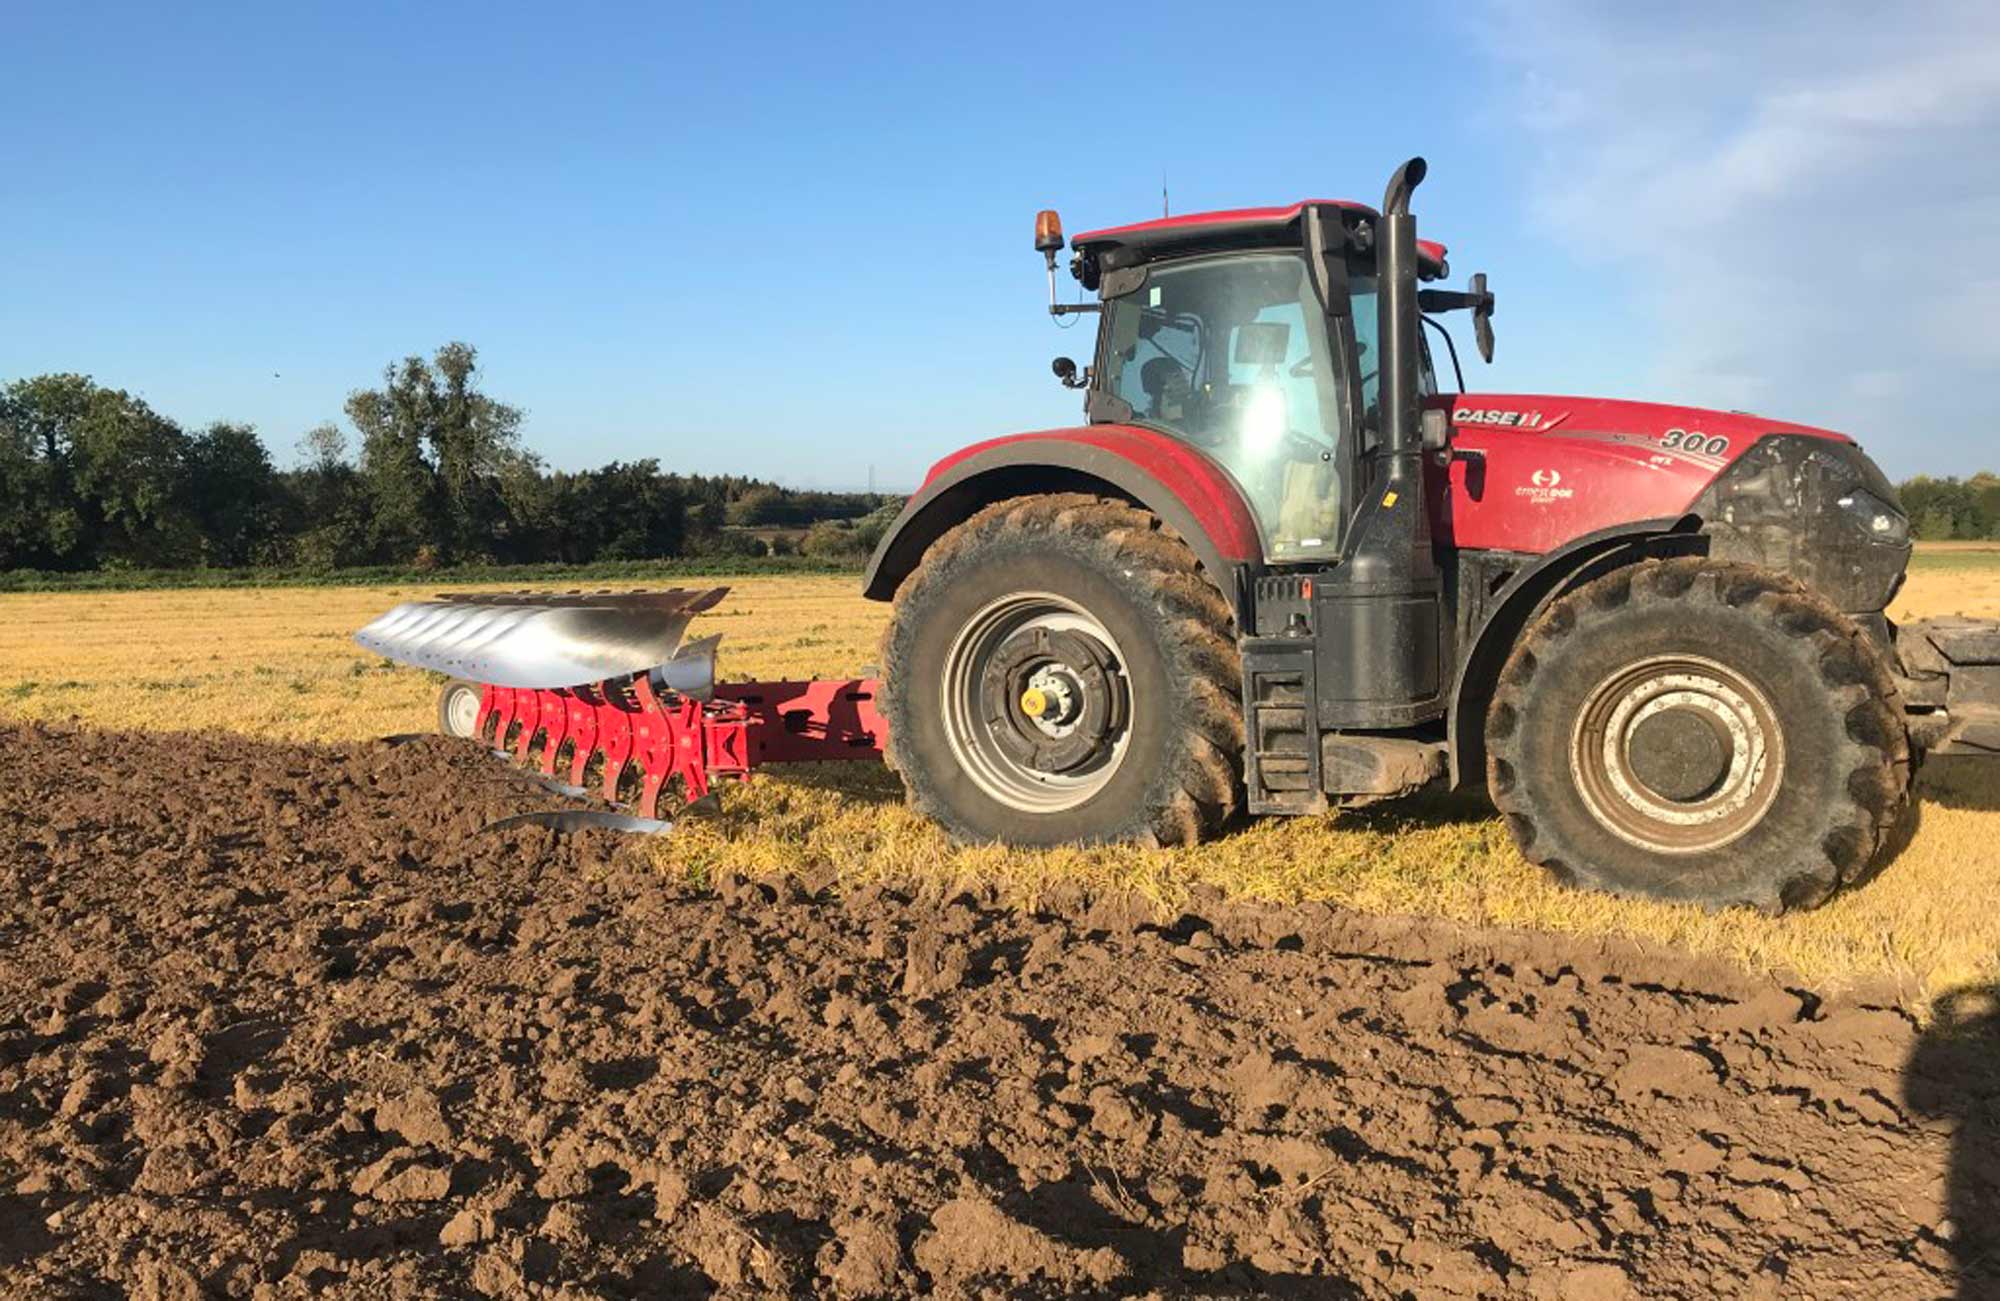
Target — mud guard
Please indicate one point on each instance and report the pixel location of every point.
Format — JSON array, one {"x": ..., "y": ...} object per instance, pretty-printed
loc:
[{"x": 1186, "y": 489}]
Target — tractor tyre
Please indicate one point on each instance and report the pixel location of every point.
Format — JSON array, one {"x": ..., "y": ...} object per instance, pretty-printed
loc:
[
  {"x": 1702, "y": 732},
  {"x": 1059, "y": 670},
  {"x": 458, "y": 709}
]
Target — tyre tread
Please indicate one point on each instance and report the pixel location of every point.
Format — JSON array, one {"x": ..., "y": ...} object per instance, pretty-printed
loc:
[
  {"x": 1207, "y": 791},
  {"x": 1852, "y": 673}
]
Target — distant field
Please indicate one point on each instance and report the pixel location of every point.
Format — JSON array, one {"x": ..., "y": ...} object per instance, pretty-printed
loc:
[
  {"x": 1972, "y": 558},
  {"x": 279, "y": 663}
]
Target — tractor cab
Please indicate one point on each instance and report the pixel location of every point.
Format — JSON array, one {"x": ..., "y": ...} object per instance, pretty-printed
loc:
[{"x": 1252, "y": 334}]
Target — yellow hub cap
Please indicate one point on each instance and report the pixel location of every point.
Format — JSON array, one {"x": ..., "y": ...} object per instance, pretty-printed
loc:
[{"x": 1034, "y": 702}]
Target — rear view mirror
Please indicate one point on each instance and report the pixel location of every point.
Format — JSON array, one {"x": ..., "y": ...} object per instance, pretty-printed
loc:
[
  {"x": 1482, "y": 316},
  {"x": 1477, "y": 298}
]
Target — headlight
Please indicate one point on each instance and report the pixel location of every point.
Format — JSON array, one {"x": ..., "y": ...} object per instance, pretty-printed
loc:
[{"x": 1875, "y": 517}]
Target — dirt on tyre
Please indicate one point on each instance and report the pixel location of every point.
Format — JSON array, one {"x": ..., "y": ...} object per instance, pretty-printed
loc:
[
  {"x": 1059, "y": 670},
  {"x": 1698, "y": 731}
]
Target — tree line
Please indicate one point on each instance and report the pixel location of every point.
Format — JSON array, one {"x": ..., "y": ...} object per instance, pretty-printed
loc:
[
  {"x": 1951, "y": 508},
  {"x": 434, "y": 475}
]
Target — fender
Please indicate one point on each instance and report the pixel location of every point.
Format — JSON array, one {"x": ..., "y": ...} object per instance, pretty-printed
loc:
[
  {"x": 1524, "y": 596},
  {"x": 1189, "y": 491}
]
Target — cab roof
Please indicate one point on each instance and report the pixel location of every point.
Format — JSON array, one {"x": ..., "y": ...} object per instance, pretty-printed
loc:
[{"x": 1227, "y": 226}]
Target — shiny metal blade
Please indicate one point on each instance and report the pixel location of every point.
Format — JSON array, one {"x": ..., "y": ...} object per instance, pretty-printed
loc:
[
  {"x": 691, "y": 672},
  {"x": 582, "y": 820},
  {"x": 542, "y": 641}
]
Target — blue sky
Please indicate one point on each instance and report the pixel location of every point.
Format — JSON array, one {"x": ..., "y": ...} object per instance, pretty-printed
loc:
[{"x": 794, "y": 241}]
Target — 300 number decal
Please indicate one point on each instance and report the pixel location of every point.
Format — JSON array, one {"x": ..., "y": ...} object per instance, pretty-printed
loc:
[{"x": 1693, "y": 440}]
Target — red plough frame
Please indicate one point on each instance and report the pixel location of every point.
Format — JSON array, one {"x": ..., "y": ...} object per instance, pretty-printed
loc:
[{"x": 662, "y": 735}]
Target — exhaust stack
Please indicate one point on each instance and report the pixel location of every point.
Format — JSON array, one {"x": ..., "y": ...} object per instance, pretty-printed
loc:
[{"x": 1396, "y": 307}]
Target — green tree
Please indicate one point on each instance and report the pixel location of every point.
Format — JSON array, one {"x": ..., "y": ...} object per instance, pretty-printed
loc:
[
  {"x": 236, "y": 496},
  {"x": 434, "y": 454},
  {"x": 832, "y": 540},
  {"x": 107, "y": 477},
  {"x": 41, "y": 520},
  {"x": 623, "y": 511},
  {"x": 327, "y": 503},
  {"x": 763, "y": 505},
  {"x": 1986, "y": 500}
]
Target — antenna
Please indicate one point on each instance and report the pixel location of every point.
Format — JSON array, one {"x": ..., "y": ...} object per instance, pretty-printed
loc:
[{"x": 1164, "y": 210}]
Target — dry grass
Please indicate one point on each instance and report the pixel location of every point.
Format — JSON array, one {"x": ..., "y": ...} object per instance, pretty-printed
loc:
[{"x": 278, "y": 663}]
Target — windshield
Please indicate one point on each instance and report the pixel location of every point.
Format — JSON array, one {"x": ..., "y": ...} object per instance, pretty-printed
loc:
[{"x": 1232, "y": 354}]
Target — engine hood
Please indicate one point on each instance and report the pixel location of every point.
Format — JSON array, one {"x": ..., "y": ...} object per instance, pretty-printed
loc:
[
  {"x": 1654, "y": 423},
  {"x": 1532, "y": 471}
]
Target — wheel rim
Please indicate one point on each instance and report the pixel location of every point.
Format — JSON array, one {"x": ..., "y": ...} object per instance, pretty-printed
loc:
[
  {"x": 1678, "y": 754},
  {"x": 461, "y": 711},
  {"x": 1037, "y": 707}
]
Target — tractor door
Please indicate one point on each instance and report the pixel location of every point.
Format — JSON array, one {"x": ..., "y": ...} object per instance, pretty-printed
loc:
[{"x": 1232, "y": 354}]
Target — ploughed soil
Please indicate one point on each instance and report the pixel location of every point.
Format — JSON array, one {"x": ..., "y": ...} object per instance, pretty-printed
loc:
[{"x": 278, "y": 1021}]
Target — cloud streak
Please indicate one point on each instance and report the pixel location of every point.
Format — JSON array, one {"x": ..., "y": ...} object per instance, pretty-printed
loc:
[{"x": 1805, "y": 198}]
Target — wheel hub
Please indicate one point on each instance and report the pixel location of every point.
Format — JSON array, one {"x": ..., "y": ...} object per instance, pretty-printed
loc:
[
  {"x": 1037, "y": 705},
  {"x": 1680, "y": 754},
  {"x": 1050, "y": 697},
  {"x": 1677, "y": 754}
]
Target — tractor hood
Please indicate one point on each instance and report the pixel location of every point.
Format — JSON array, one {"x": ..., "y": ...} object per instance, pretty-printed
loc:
[
  {"x": 1658, "y": 425},
  {"x": 1529, "y": 472}
]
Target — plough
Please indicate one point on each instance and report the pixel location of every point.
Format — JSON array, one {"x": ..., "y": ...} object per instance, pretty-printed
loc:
[{"x": 596, "y": 692}]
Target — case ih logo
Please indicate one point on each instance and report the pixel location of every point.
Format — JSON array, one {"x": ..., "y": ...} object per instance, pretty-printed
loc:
[
  {"x": 1543, "y": 487},
  {"x": 1491, "y": 416}
]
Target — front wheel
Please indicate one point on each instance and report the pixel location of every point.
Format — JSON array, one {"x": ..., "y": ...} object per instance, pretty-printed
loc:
[
  {"x": 1698, "y": 731},
  {"x": 1058, "y": 670}
]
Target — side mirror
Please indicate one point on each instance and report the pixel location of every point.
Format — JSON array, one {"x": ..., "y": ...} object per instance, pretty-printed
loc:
[
  {"x": 1065, "y": 370},
  {"x": 1477, "y": 299},
  {"x": 1482, "y": 316}
]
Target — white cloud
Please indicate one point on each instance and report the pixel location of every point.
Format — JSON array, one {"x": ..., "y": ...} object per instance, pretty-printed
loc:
[{"x": 1805, "y": 196}]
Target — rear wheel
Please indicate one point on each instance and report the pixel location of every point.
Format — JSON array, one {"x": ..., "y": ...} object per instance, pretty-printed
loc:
[
  {"x": 1698, "y": 731},
  {"x": 1059, "y": 670}
]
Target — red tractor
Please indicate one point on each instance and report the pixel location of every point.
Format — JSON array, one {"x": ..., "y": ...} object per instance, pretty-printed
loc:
[{"x": 1280, "y": 569}]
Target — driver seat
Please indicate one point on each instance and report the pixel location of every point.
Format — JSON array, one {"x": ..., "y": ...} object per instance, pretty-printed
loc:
[{"x": 1163, "y": 380}]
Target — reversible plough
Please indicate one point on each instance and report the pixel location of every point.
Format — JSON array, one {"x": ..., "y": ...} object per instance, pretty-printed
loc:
[{"x": 596, "y": 692}]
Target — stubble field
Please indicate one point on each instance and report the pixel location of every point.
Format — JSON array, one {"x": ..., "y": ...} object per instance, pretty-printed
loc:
[
  {"x": 279, "y": 664},
  {"x": 278, "y": 1018}
]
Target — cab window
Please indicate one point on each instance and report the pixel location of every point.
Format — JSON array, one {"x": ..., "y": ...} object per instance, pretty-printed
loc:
[{"x": 1232, "y": 355}]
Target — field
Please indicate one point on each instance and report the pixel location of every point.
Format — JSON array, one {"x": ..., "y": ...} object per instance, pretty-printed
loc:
[
  {"x": 278, "y": 664},
  {"x": 280, "y": 1019}
]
